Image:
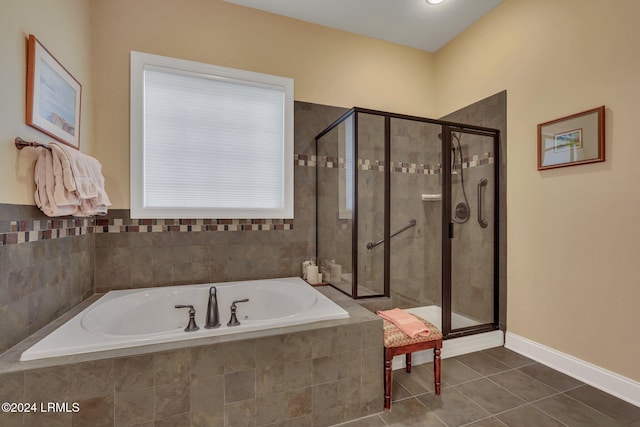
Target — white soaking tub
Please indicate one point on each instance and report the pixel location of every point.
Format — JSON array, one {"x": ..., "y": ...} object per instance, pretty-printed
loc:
[{"x": 137, "y": 317}]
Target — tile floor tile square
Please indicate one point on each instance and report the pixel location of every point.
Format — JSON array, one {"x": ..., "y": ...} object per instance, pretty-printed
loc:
[
  {"x": 508, "y": 357},
  {"x": 551, "y": 377},
  {"x": 454, "y": 372},
  {"x": 573, "y": 413},
  {"x": 522, "y": 385},
  {"x": 489, "y": 396},
  {"x": 607, "y": 404},
  {"x": 411, "y": 413},
  {"x": 528, "y": 416},
  {"x": 453, "y": 408},
  {"x": 483, "y": 364}
]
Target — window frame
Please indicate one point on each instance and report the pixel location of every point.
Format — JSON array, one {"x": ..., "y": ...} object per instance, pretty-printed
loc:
[{"x": 141, "y": 60}]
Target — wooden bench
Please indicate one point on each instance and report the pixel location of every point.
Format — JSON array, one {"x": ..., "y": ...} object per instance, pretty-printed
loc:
[{"x": 396, "y": 342}]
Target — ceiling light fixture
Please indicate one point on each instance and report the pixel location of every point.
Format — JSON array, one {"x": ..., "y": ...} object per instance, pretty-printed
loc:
[{"x": 435, "y": 1}]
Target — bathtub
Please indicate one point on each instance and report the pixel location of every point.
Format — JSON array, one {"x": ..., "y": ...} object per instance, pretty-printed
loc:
[{"x": 137, "y": 317}]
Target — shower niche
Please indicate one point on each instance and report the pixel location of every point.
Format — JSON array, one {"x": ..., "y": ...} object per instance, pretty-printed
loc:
[{"x": 407, "y": 209}]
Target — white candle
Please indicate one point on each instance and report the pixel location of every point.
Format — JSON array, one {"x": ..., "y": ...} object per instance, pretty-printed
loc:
[
  {"x": 336, "y": 273},
  {"x": 312, "y": 274}
]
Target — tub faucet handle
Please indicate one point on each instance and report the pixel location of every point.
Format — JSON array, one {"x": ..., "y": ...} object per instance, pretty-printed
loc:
[
  {"x": 191, "y": 327},
  {"x": 234, "y": 319}
]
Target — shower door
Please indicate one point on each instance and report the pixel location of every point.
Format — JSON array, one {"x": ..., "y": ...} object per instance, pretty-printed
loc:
[{"x": 471, "y": 295}]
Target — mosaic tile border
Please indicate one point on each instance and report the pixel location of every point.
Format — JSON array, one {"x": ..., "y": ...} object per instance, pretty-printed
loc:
[
  {"x": 118, "y": 225},
  {"x": 305, "y": 160},
  {"x": 371, "y": 165},
  {"x": 398, "y": 167},
  {"x": 26, "y": 231}
]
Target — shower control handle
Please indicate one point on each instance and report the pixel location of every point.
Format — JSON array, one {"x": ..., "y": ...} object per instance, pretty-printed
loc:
[{"x": 483, "y": 222}]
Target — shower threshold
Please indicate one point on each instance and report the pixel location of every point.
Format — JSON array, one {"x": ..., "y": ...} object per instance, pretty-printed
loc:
[{"x": 451, "y": 347}]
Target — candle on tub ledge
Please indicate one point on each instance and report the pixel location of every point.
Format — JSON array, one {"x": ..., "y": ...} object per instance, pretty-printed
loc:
[
  {"x": 305, "y": 266},
  {"x": 312, "y": 274},
  {"x": 336, "y": 273}
]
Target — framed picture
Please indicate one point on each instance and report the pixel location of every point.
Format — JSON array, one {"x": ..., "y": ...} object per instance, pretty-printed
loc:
[
  {"x": 572, "y": 140},
  {"x": 53, "y": 96}
]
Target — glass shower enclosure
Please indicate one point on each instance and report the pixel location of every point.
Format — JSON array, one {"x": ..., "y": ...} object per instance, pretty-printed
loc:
[{"x": 407, "y": 209}]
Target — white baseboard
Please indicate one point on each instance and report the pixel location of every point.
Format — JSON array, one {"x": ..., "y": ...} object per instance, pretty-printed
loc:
[{"x": 600, "y": 378}]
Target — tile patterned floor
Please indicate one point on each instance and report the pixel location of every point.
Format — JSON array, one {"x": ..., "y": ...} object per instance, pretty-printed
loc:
[{"x": 497, "y": 388}]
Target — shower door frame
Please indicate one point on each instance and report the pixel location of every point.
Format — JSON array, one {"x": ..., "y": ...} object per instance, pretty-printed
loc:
[
  {"x": 448, "y": 231},
  {"x": 447, "y": 128}
]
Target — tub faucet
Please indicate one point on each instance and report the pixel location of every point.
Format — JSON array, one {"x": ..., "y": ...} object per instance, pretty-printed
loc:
[
  {"x": 234, "y": 319},
  {"x": 213, "y": 317}
]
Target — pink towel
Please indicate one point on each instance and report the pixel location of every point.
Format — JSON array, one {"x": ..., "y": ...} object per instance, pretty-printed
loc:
[{"x": 405, "y": 322}]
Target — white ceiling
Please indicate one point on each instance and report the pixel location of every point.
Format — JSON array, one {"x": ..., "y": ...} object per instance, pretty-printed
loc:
[{"x": 411, "y": 23}]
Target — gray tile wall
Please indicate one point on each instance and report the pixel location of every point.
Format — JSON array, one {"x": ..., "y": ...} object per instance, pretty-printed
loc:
[
  {"x": 314, "y": 378},
  {"x": 40, "y": 280}
]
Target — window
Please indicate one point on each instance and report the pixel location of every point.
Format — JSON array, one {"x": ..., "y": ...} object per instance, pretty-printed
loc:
[{"x": 209, "y": 141}]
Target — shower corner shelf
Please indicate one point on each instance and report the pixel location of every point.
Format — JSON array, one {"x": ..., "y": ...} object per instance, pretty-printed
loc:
[{"x": 431, "y": 197}]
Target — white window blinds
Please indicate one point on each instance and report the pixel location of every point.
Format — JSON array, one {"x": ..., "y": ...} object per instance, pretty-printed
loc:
[{"x": 213, "y": 142}]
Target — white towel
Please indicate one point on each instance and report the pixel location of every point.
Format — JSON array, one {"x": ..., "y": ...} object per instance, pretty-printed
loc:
[
  {"x": 69, "y": 183},
  {"x": 63, "y": 194},
  {"x": 44, "y": 195},
  {"x": 83, "y": 175}
]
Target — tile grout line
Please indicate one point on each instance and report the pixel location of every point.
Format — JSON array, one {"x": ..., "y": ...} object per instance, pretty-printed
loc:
[
  {"x": 483, "y": 419},
  {"x": 488, "y": 379},
  {"x": 534, "y": 401},
  {"x": 533, "y": 362},
  {"x": 473, "y": 401},
  {"x": 429, "y": 410},
  {"x": 588, "y": 406}
]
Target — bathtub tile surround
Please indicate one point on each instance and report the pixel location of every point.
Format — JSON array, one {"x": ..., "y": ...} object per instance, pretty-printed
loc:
[
  {"x": 136, "y": 260},
  {"x": 293, "y": 376},
  {"x": 134, "y": 254},
  {"x": 41, "y": 279}
]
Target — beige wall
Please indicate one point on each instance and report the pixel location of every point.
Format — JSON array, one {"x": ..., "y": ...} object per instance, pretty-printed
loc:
[
  {"x": 63, "y": 27},
  {"x": 573, "y": 234},
  {"x": 329, "y": 67}
]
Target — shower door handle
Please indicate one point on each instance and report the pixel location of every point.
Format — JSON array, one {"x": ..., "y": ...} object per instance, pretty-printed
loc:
[{"x": 483, "y": 222}]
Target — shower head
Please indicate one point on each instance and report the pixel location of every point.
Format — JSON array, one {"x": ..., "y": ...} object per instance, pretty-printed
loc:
[{"x": 453, "y": 134}]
